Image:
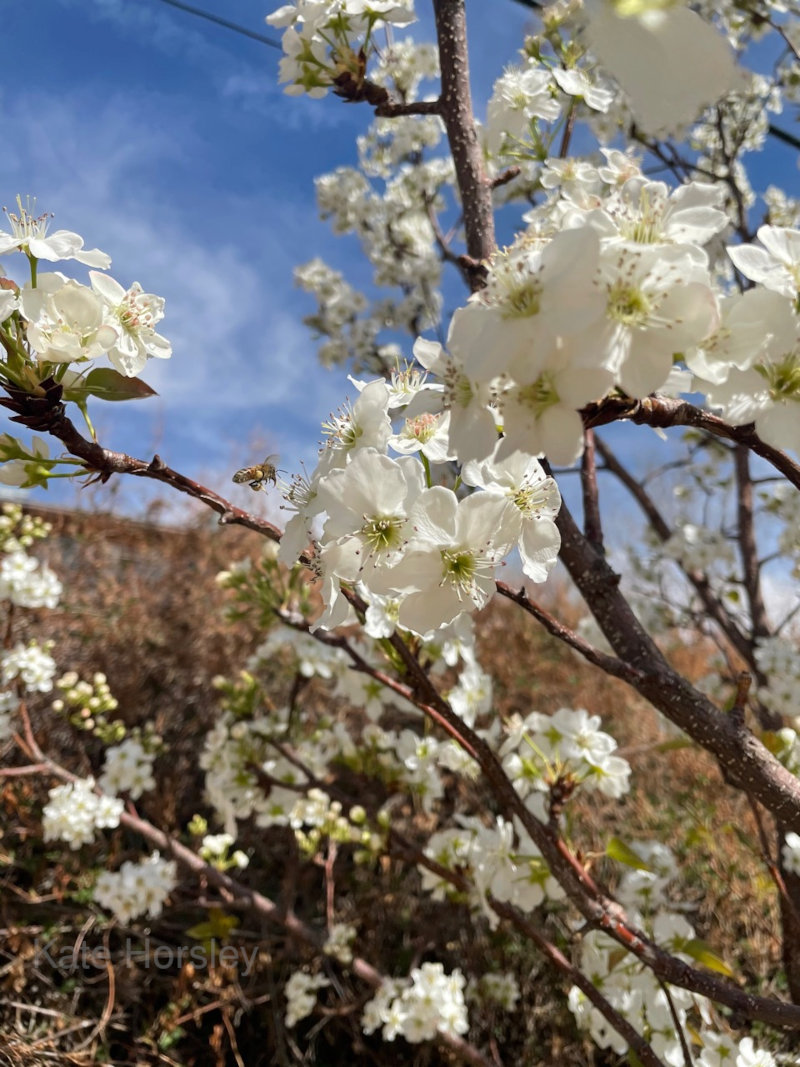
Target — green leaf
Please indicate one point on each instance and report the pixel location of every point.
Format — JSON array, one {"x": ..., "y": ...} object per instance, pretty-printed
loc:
[
  {"x": 703, "y": 953},
  {"x": 107, "y": 384},
  {"x": 616, "y": 849},
  {"x": 218, "y": 926}
]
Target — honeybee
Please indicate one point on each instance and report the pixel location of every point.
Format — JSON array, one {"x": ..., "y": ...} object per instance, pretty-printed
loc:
[{"x": 259, "y": 474}]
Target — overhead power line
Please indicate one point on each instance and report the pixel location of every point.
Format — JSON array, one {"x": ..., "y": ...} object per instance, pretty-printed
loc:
[
  {"x": 260, "y": 37},
  {"x": 533, "y": 5}
]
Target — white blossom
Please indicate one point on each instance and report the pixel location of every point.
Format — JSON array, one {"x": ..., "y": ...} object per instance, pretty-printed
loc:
[{"x": 137, "y": 889}]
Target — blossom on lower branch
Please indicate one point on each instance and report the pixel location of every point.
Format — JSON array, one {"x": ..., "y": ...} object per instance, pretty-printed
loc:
[
  {"x": 76, "y": 811},
  {"x": 418, "y": 1008},
  {"x": 137, "y": 888}
]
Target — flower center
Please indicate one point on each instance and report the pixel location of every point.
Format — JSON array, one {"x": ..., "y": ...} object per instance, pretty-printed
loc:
[
  {"x": 782, "y": 377},
  {"x": 459, "y": 569},
  {"x": 541, "y": 395},
  {"x": 26, "y": 225},
  {"x": 383, "y": 533},
  {"x": 422, "y": 427},
  {"x": 343, "y": 428},
  {"x": 531, "y": 498},
  {"x": 628, "y": 304}
]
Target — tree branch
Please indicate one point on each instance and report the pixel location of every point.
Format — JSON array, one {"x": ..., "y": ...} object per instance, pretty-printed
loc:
[
  {"x": 744, "y": 761},
  {"x": 104, "y": 462},
  {"x": 711, "y": 603},
  {"x": 662, "y": 412},
  {"x": 456, "y": 111}
]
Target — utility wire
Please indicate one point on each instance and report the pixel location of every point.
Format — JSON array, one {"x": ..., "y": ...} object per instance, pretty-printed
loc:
[
  {"x": 223, "y": 22},
  {"x": 533, "y": 5}
]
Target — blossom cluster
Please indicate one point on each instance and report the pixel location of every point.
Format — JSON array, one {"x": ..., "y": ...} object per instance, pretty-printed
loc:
[
  {"x": 53, "y": 328},
  {"x": 128, "y": 769},
  {"x": 661, "y": 1016},
  {"x": 76, "y": 810},
  {"x": 87, "y": 704},
  {"x": 495, "y": 988},
  {"x": 609, "y": 290},
  {"x": 637, "y": 993},
  {"x": 66, "y": 322},
  {"x": 137, "y": 888},
  {"x": 338, "y": 943},
  {"x": 31, "y": 664},
  {"x": 301, "y": 995},
  {"x": 327, "y": 42},
  {"x": 27, "y": 582},
  {"x": 417, "y": 1008}
]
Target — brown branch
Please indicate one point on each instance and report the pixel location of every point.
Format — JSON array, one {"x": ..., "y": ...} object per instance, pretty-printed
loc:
[
  {"x": 446, "y": 252},
  {"x": 676, "y": 1022},
  {"x": 594, "y": 904},
  {"x": 456, "y": 111},
  {"x": 744, "y": 761},
  {"x": 591, "y": 503},
  {"x": 609, "y": 664},
  {"x": 104, "y": 462},
  {"x": 662, "y": 412},
  {"x": 506, "y": 176},
  {"x": 397, "y": 843},
  {"x": 747, "y": 545},
  {"x": 711, "y": 603}
]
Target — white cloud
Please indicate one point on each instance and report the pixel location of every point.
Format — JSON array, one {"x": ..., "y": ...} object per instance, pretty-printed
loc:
[{"x": 241, "y": 353}]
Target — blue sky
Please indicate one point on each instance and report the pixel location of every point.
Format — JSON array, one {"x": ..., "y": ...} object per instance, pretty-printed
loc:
[{"x": 167, "y": 142}]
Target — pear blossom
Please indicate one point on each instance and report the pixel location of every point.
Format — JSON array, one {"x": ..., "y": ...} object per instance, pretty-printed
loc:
[
  {"x": 645, "y": 212},
  {"x": 367, "y": 504},
  {"x": 133, "y": 314},
  {"x": 535, "y": 292},
  {"x": 65, "y": 320},
  {"x": 338, "y": 942},
  {"x": 750, "y": 1056},
  {"x": 740, "y": 339},
  {"x": 519, "y": 95},
  {"x": 128, "y": 768},
  {"x": 767, "y": 393},
  {"x": 29, "y": 235},
  {"x": 658, "y": 306},
  {"x": 776, "y": 266},
  {"x": 540, "y": 416},
  {"x": 31, "y": 664},
  {"x": 137, "y": 888},
  {"x": 577, "y": 83},
  {"x": 27, "y": 469},
  {"x": 26, "y": 582},
  {"x": 790, "y": 852},
  {"x": 365, "y": 424},
  {"x": 319, "y": 39},
  {"x": 519, "y": 478},
  {"x": 75, "y": 811},
  {"x": 301, "y": 497},
  {"x": 9, "y": 303},
  {"x": 473, "y": 430},
  {"x": 638, "y": 44},
  {"x": 427, "y": 1003},
  {"x": 428, "y": 433},
  {"x": 448, "y": 566}
]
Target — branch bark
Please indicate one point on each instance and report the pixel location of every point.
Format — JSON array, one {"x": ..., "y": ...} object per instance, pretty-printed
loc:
[
  {"x": 662, "y": 412},
  {"x": 744, "y": 761},
  {"x": 456, "y": 111}
]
